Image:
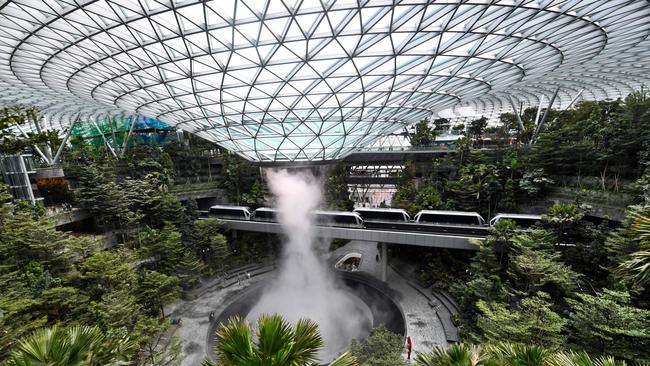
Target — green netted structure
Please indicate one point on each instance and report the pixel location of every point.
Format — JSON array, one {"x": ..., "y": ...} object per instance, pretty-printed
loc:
[{"x": 118, "y": 131}]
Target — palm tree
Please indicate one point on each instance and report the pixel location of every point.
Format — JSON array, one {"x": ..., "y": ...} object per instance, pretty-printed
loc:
[
  {"x": 583, "y": 359},
  {"x": 76, "y": 346},
  {"x": 637, "y": 268},
  {"x": 456, "y": 355},
  {"x": 276, "y": 343},
  {"x": 563, "y": 215},
  {"x": 509, "y": 354}
]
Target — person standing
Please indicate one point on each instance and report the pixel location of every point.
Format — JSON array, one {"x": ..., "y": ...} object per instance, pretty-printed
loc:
[{"x": 409, "y": 347}]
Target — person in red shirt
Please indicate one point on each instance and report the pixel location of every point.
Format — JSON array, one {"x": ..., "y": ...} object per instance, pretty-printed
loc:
[{"x": 409, "y": 346}]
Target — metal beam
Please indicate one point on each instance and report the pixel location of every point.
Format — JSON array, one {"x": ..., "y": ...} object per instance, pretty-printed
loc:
[
  {"x": 38, "y": 150},
  {"x": 539, "y": 109},
  {"x": 514, "y": 110},
  {"x": 548, "y": 109},
  {"x": 546, "y": 112},
  {"x": 104, "y": 138},
  {"x": 568, "y": 106},
  {"x": 574, "y": 100},
  {"x": 126, "y": 140},
  {"x": 65, "y": 141}
]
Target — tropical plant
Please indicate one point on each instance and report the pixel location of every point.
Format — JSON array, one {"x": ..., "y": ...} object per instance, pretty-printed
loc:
[
  {"x": 637, "y": 267},
  {"x": 424, "y": 135},
  {"x": 275, "y": 343},
  {"x": 583, "y": 359},
  {"x": 457, "y": 355},
  {"x": 563, "y": 216},
  {"x": 515, "y": 354},
  {"x": 609, "y": 324},
  {"x": 381, "y": 348},
  {"x": 76, "y": 346}
]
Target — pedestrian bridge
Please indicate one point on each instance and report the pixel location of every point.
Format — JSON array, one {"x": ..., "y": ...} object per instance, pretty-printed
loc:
[{"x": 462, "y": 241}]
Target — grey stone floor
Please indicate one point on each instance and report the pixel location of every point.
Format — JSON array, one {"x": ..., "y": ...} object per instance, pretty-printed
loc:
[
  {"x": 195, "y": 316},
  {"x": 422, "y": 323}
]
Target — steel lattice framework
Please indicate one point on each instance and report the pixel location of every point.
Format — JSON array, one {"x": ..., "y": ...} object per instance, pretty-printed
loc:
[{"x": 310, "y": 80}]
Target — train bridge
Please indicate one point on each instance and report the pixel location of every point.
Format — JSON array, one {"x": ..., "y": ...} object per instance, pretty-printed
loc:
[{"x": 398, "y": 234}]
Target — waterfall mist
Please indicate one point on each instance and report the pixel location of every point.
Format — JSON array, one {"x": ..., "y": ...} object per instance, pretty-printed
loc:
[{"x": 305, "y": 287}]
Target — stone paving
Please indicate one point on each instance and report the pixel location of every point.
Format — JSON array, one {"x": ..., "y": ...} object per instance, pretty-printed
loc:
[
  {"x": 195, "y": 315},
  {"x": 422, "y": 323}
]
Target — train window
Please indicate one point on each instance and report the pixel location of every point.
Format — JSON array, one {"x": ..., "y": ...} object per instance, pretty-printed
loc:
[
  {"x": 448, "y": 219},
  {"x": 266, "y": 215},
  {"x": 345, "y": 219},
  {"x": 229, "y": 212},
  {"x": 378, "y": 215}
]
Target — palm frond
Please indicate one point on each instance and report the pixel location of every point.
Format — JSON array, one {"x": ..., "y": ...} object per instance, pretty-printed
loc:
[
  {"x": 640, "y": 229},
  {"x": 510, "y": 354},
  {"x": 345, "y": 359},
  {"x": 608, "y": 361},
  {"x": 456, "y": 355},
  {"x": 44, "y": 346},
  {"x": 571, "y": 359},
  {"x": 235, "y": 342},
  {"x": 637, "y": 268},
  {"x": 275, "y": 340},
  {"x": 308, "y": 341},
  {"x": 82, "y": 340}
]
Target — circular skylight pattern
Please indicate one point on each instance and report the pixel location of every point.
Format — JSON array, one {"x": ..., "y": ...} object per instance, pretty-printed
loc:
[{"x": 312, "y": 80}]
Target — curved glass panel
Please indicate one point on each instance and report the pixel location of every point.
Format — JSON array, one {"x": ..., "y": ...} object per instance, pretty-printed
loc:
[{"x": 311, "y": 80}]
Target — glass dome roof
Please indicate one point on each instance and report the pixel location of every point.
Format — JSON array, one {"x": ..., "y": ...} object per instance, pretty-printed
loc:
[{"x": 312, "y": 80}]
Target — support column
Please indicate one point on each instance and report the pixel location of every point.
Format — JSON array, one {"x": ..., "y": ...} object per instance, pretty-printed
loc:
[
  {"x": 520, "y": 123},
  {"x": 28, "y": 184},
  {"x": 126, "y": 139},
  {"x": 384, "y": 261},
  {"x": 40, "y": 153},
  {"x": 65, "y": 141}
]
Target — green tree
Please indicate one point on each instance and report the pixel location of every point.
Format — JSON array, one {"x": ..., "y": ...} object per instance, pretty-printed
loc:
[
  {"x": 424, "y": 135},
  {"x": 530, "y": 322},
  {"x": 406, "y": 192},
  {"x": 156, "y": 289},
  {"x": 12, "y": 143},
  {"x": 609, "y": 324},
  {"x": 237, "y": 176},
  {"x": 381, "y": 348},
  {"x": 25, "y": 238},
  {"x": 477, "y": 127},
  {"x": 535, "y": 265},
  {"x": 164, "y": 251},
  {"x": 441, "y": 124},
  {"x": 108, "y": 270},
  {"x": 211, "y": 246},
  {"x": 256, "y": 196},
  {"x": 563, "y": 216},
  {"x": 275, "y": 343},
  {"x": 335, "y": 191}
]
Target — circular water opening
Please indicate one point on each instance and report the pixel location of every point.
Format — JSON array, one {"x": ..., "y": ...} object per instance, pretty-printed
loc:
[{"x": 373, "y": 300}]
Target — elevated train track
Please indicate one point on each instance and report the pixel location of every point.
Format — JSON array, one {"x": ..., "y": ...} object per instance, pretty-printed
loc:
[
  {"x": 406, "y": 235},
  {"x": 430, "y": 228}
]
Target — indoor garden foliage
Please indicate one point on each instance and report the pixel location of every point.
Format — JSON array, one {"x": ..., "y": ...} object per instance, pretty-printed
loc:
[{"x": 572, "y": 290}]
